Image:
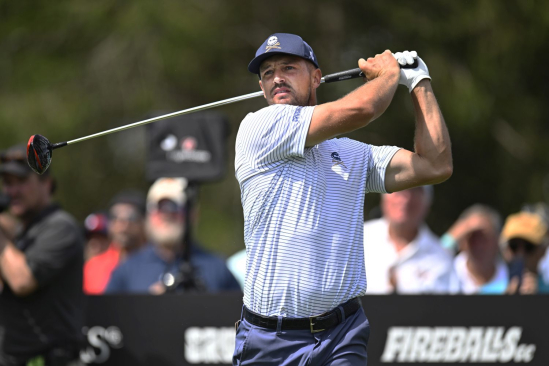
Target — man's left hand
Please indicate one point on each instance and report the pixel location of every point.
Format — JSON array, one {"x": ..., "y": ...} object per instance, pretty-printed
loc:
[{"x": 411, "y": 77}]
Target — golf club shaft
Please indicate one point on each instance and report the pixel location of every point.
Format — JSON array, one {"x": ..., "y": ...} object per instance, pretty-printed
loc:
[
  {"x": 340, "y": 76},
  {"x": 159, "y": 118}
]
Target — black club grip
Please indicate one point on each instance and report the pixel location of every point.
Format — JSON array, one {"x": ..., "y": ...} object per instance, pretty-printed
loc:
[{"x": 357, "y": 73}]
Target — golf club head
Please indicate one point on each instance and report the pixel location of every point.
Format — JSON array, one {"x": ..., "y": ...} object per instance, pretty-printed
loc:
[{"x": 39, "y": 153}]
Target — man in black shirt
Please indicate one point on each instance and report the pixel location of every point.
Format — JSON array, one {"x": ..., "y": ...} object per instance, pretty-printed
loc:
[{"x": 41, "y": 301}]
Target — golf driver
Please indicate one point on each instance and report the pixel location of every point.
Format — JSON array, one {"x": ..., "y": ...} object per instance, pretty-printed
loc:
[{"x": 40, "y": 150}]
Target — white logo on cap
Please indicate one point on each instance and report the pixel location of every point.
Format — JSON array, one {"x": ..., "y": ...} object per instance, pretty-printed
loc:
[
  {"x": 272, "y": 42},
  {"x": 311, "y": 54}
]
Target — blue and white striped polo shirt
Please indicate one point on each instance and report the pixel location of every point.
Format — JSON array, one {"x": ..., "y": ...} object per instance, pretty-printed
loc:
[{"x": 303, "y": 212}]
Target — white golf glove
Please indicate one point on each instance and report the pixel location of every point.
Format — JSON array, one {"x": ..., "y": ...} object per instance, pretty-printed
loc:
[{"x": 410, "y": 77}]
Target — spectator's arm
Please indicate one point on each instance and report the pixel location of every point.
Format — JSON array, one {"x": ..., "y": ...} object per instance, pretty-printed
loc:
[
  {"x": 14, "y": 268},
  {"x": 49, "y": 255}
]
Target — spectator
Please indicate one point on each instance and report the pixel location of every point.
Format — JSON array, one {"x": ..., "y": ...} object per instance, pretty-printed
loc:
[
  {"x": 402, "y": 255},
  {"x": 237, "y": 265},
  {"x": 166, "y": 227},
  {"x": 97, "y": 237},
  {"x": 41, "y": 305},
  {"x": 524, "y": 240},
  {"x": 541, "y": 209},
  {"x": 479, "y": 266},
  {"x": 126, "y": 229}
]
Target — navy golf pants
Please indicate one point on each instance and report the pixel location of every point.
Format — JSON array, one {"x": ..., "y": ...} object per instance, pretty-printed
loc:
[{"x": 342, "y": 345}]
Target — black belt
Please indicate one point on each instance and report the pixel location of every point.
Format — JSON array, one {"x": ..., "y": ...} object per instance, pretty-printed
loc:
[{"x": 315, "y": 324}]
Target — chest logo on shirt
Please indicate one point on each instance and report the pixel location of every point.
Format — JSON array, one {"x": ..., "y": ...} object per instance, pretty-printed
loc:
[{"x": 336, "y": 160}]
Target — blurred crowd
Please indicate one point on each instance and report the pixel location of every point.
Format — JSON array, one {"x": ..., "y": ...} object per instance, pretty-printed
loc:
[
  {"x": 142, "y": 243},
  {"x": 479, "y": 254}
]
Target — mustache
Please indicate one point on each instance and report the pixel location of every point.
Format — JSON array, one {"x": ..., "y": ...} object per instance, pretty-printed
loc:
[{"x": 283, "y": 85}]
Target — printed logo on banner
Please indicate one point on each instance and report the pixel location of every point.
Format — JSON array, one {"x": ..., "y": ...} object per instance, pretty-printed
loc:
[
  {"x": 456, "y": 344},
  {"x": 184, "y": 152},
  {"x": 209, "y": 345},
  {"x": 101, "y": 340}
]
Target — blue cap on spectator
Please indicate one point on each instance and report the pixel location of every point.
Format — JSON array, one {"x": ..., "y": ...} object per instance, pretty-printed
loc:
[{"x": 285, "y": 43}]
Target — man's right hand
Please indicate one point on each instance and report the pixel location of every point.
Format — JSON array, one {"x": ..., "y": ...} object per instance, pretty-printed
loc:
[
  {"x": 363, "y": 105},
  {"x": 379, "y": 65}
]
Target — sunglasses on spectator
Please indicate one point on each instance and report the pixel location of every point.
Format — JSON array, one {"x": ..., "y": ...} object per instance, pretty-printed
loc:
[
  {"x": 169, "y": 207},
  {"x": 515, "y": 244}
]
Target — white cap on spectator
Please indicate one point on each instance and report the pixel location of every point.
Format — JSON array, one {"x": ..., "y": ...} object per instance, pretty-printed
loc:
[{"x": 167, "y": 188}]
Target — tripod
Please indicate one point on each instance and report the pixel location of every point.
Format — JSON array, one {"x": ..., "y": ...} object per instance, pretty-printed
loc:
[{"x": 186, "y": 278}]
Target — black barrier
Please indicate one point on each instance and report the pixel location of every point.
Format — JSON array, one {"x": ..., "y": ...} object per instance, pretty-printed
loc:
[{"x": 199, "y": 329}]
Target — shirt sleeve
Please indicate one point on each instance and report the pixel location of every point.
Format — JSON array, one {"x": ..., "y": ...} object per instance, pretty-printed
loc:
[
  {"x": 380, "y": 157},
  {"x": 274, "y": 134},
  {"x": 57, "y": 245}
]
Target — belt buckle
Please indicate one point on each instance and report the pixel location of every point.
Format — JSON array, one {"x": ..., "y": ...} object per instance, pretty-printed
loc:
[{"x": 312, "y": 324}]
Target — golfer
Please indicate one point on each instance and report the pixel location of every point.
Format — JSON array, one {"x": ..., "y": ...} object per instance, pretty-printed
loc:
[{"x": 302, "y": 194}]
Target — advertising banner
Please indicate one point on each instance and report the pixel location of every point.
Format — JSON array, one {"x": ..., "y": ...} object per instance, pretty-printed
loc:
[{"x": 199, "y": 330}]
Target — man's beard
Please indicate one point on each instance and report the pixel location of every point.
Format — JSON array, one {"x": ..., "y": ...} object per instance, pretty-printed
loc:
[{"x": 169, "y": 235}]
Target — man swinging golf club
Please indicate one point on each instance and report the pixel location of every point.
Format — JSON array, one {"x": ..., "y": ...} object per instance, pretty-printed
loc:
[{"x": 303, "y": 192}]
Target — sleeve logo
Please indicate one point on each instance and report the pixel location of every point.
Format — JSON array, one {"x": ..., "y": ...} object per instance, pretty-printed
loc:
[{"x": 297, "y": 113}]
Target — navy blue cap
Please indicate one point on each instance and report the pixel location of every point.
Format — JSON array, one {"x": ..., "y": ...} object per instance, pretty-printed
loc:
[{"x": 285, "y": 43}]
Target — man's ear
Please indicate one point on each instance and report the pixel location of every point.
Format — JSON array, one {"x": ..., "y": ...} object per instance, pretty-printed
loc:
[
  {"x": 317, "y": 76},
  {"x": 261, "y": 86}
]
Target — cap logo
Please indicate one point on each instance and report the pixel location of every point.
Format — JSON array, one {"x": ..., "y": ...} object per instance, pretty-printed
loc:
[
  {"x": 311, "y": 54},
  {"x": 272, "y": 42}
]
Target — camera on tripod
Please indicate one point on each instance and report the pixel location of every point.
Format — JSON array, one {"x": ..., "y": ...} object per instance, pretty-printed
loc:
[
  {"x": 4, "y": 202},
  {"x": 191, "y": 147}
]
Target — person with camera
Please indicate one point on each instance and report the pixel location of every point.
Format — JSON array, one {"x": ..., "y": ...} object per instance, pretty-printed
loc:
[
  {"x": 41, "y": 303},
  {"x": 524, "y": 241},
  {"x": 158, "y": 268}
]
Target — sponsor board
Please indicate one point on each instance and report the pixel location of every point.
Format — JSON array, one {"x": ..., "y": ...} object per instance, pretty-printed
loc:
[
  {"x": 211, "y": 345},
  {"x": 100, "y": 342},
  {"x": 456, "y": 344},
  {"x": 197, "y": 329}
]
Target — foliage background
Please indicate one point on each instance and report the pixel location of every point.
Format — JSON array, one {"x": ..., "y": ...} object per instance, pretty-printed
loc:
[{"x": 72, "y": 68}]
